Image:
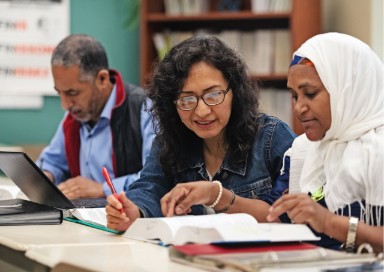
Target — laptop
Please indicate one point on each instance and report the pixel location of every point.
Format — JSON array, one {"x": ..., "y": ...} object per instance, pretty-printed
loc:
[{"x": 32, "y": 181}]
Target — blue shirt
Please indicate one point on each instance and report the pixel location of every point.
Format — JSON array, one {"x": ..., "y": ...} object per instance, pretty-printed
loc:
[
  {"x": 255, "y": 178},
  {"x": 95, "y": 149}
]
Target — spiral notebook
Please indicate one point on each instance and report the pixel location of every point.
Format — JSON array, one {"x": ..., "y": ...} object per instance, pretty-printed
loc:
[
  {"x": 16, "y": 212},
  {"x": 292, "y": 256}
]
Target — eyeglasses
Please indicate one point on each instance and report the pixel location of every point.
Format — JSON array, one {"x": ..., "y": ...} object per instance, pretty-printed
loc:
[{"x": 211, "y": 98}]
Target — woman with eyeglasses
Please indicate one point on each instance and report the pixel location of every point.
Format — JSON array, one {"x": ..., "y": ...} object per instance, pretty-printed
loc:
[{"x": 214, "y": 151}]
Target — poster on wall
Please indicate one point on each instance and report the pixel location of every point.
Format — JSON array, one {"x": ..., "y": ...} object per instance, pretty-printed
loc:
[{"x": 29, "y": 31}]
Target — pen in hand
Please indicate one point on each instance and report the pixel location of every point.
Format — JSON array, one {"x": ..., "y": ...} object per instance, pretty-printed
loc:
[{"x": 110, "y": 184}]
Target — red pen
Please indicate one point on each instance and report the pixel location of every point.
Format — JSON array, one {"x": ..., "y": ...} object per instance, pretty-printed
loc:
[{"x": 110, "y": 184}]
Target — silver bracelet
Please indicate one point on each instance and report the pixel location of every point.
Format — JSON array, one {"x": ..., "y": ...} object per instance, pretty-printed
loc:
[{"x": 351, "y": 236}]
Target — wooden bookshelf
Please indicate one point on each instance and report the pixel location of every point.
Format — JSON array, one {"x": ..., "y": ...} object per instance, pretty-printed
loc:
[{"x": 303, "y": 22}]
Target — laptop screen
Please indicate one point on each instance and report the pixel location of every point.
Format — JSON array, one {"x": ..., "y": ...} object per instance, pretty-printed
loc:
[{"x": 32, "y": 181}]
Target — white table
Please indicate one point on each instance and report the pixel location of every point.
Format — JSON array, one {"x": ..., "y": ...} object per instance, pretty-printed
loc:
[{"x": 50, "y": 246}]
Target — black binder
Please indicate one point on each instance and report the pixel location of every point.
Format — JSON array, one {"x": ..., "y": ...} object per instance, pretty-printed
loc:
[{"x": 15, "y": 212}]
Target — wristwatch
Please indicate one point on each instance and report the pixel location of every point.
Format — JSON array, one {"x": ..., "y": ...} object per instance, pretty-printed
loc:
[{"x": 351, "y": 236}]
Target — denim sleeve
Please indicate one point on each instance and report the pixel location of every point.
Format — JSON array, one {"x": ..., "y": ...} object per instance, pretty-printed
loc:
[{"x": 152, "y": 185}]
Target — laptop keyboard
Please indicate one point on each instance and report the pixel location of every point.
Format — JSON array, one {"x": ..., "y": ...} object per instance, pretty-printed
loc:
[{"x": 89, "y": 202}]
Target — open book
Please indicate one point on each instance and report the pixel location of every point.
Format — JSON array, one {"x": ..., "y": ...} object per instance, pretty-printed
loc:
[
  {"x": 96, "y": 216},
  {"x": 8, "y": 190},
  {"x": 216, "y": 228},
  {"x": 91, "y": 217}
]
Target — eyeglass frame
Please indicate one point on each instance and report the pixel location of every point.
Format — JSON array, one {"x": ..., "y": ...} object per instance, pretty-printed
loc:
[{"x": 202, "y": 98}]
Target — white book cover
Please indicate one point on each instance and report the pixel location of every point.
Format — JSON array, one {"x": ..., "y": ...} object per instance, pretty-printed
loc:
[
  {"x": 277, "y": 102},
  {"x": 263, "y": 51},
  {"x": 284, "y": 105},
  {"x": 232, "y": 38},
  {"x": 260, "y": 6},
  {"x": 247, "y": 44},
  {"x": 161, "y": 44}
]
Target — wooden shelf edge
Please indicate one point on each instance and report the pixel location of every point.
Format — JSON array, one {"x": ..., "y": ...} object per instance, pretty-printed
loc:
[{"x": 217, "y": 16}]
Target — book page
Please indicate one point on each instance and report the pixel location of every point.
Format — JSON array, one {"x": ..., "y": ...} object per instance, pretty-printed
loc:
[
  {"x": 151, "y": 229},
  {"x": 211, "y": 228},
  {"x": 268, "y": 232},
  {"x": 93, "y": 215},
  {"x": 9, "y": 190},
  {"x": 188, "y": 228}
]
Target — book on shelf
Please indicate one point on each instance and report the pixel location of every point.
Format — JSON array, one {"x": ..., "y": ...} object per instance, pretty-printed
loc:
[
  {"x": 185, "y": 7},
  {"x": 232, "y": 38},
  {"x": 256, "y": 257},
  {"x": 247, "y": 46},
  {"x": 266, "y": 51},
  {"x": 282, "y": 51},
  {"x": 216, "y": 228},
  {"x": 14, "y": 212},
  {"x": 273, "y": 6},
  {"x": 161, "y": 44},
  {"x": 276, "y": 102}
]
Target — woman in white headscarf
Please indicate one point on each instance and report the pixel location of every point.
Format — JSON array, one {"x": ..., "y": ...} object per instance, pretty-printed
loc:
[{"x": 337, "y": 90}]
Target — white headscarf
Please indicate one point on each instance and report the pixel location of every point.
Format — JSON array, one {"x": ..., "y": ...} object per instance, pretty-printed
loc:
[{"x": 348, "y": 161}]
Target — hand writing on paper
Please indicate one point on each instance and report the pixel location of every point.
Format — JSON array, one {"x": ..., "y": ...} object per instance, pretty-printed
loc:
[
  {"x": 81, "y": 187},
  {"x": 301, "y": 209},
  {"x": 117, "y": 220},
  {"x": 184, "y": 195}
]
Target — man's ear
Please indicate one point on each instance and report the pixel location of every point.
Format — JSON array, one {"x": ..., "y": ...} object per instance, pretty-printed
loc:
[{"x": 102, "y": 79}]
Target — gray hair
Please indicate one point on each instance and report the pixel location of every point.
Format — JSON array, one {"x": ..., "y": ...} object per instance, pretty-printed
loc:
[{"x": 82, "y": 51}]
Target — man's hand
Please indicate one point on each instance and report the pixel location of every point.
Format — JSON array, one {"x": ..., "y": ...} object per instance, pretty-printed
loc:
[{"x": 79, "y": 186}]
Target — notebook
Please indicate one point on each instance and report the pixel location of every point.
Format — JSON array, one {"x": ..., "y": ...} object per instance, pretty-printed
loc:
[
  {"x": 18, "y": 212},
  {"x": 32, "y": 181}
]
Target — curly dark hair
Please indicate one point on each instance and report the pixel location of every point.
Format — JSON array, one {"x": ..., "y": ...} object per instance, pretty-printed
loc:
[{"x": 176, "y": 140}]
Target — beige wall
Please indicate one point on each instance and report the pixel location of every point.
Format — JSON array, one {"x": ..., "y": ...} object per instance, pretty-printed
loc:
[
  {"x": 360, "y": 18},
  {"x": 352, "y": 17}
]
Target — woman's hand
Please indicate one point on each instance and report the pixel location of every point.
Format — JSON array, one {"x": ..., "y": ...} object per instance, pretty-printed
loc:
[
  {"x": 184, "y": 195},
  {"x": 301, "y": 209},
  {"x": 118, "y": 220}
]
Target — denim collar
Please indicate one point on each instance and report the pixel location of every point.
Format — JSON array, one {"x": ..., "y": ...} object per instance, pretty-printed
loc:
[{"x": 196, "y": 160}]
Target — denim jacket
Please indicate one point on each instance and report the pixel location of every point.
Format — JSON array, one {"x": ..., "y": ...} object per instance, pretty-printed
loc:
[{"x": 252, "y": 179}]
